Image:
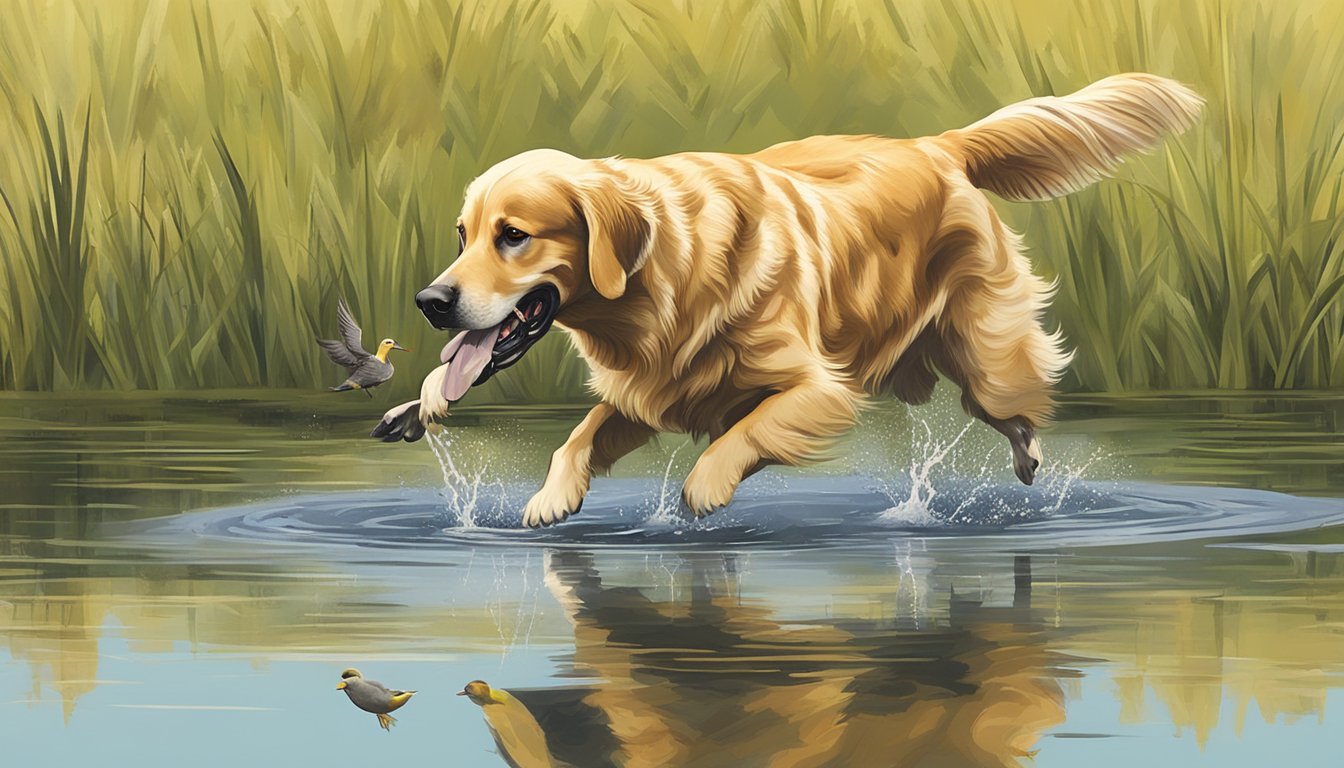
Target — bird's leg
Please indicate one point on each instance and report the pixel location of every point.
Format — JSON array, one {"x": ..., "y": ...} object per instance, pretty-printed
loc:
[{"x": 387, "y": 721}]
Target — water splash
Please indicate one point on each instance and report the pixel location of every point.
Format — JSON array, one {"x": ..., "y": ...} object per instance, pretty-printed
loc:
[
  {"x": 462, "y": 490},
  {"x": 984, "y": 482},
  {"x": 667, "y": 505},
  {"x": 970, "y": 487},
  {"x": 916, "y": 507},
  {"x": 1063, "y": 480}
]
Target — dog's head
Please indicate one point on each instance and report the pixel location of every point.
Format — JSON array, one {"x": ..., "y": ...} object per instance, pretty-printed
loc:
[{"x": 537, "y": 232}]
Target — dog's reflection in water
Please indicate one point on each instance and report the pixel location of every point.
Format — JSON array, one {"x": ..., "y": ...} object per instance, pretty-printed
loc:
[{"x": 710, "y": 681}]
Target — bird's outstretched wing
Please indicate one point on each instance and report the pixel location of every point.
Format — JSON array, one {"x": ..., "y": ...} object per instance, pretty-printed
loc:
[
  {"x": 340, "y": 354},
  {"x": 350, "y": 332}
]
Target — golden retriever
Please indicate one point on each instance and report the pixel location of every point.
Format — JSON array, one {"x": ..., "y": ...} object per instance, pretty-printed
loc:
[{"x": 759, "y": 299}]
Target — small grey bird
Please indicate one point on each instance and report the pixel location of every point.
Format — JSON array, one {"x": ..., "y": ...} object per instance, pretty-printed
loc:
[
  {"x": 366, "y": 370},
  {"x": 373, "y": 696}
]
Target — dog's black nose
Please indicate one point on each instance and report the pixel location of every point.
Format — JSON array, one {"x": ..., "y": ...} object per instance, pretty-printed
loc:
[{"x": 438, "y": 302}]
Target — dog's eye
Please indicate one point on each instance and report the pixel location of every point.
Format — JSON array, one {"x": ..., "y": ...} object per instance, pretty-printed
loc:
[
  {"x": 515, "y": 236},
  {"x": 461, "y": 239}
]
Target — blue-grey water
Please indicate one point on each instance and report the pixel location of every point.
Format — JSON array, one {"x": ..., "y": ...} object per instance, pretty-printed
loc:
[{"x": 183, "y": 580}]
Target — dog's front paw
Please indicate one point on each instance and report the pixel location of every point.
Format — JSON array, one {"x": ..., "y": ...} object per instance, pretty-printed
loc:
[
  {"x": 549, "y": 507},
  {"x": 400, "y": 423},
  {"x": 708, "y": 488}
]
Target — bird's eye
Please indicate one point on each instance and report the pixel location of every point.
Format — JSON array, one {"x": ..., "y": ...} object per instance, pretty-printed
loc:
[
  {"x": 461, "y": 239},
  {"x": 515, "y": 236}
]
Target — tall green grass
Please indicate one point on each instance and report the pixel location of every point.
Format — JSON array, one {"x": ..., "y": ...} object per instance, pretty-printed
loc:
[{"x": 187, "y": 188}]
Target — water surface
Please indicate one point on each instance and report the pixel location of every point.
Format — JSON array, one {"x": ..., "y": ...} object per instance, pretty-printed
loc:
[{"x": 183, "y": 579}]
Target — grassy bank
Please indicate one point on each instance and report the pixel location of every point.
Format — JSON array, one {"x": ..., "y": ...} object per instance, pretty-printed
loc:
[{"x": 188, "y": 187}]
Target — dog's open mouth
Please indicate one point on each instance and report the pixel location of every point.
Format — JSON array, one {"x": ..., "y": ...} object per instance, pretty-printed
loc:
[{"x": 472, "y": 357}]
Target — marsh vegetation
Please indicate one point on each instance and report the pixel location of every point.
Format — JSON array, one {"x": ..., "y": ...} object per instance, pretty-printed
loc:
[{"x": 187, "y": 188}]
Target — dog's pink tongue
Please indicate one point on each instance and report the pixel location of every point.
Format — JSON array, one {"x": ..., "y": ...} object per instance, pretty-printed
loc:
[{"x": 466, "y": 356}]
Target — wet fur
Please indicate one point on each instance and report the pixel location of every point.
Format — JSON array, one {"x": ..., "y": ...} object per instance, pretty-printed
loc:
[{"x": 759, "y": 299}]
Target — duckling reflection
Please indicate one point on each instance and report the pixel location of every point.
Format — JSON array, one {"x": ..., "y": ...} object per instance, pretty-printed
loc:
[
  {"x": 717, "y": 681},
  {"x": 373, "y": 697},
  {"x": 517, "y": 734}
]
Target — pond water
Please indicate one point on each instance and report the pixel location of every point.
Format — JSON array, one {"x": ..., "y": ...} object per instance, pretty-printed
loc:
[{"x": 183, "y": 579}]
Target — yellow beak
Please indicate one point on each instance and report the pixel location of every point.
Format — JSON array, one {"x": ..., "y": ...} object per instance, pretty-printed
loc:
[{"x": 340, "y": 685}]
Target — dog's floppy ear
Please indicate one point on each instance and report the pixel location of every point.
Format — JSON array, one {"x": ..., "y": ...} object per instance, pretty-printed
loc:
[{"x": 622, "y": 223}]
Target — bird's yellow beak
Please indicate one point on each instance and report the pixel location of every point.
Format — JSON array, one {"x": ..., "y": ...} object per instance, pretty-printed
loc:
[{"x": 340, "y": 685}]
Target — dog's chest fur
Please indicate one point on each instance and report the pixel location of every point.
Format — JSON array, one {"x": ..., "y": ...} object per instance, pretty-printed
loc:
[{"x": 702, "y": 395}]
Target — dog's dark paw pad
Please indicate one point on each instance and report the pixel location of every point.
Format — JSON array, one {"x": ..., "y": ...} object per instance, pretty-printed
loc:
[
  {"x": 1027, "y": 460},
  {"x": 1026, "y": 470},
  {"x": 400, "y": 423}
]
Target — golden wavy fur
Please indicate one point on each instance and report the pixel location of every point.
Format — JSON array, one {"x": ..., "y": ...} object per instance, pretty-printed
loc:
[{"x": 759, "y": 299}]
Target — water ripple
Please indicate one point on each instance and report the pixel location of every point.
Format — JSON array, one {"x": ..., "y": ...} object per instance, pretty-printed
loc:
[{"x": 806, "y": 512}]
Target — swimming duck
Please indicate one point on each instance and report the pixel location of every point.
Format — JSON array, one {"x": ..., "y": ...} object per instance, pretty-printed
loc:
[
  {"x": 521, "y": 741},
  {"x": 366, "y": 370},
  {"x": 373, "y": 696}
]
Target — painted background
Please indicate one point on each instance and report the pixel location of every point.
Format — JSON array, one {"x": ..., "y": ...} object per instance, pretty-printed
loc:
[{"x": 188, "y": 187}]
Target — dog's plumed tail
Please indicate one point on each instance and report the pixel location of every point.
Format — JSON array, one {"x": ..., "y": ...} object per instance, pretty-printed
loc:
[{"x": 1050, "y": 146}]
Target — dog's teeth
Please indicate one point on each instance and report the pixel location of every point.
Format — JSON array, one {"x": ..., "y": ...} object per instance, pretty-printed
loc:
[{"x": 519, "y": 313}]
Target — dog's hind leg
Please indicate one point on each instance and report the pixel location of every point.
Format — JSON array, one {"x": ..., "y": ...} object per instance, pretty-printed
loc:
[
  {"x": 995, "y": 348},
  {"x": 792, "y": 426},
  {"x": 1013, "y": 403},
  {"x": 912, "y": 379},
  {"x": 596, "y": 443},
  {"x": 1021, "y": 434}
]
